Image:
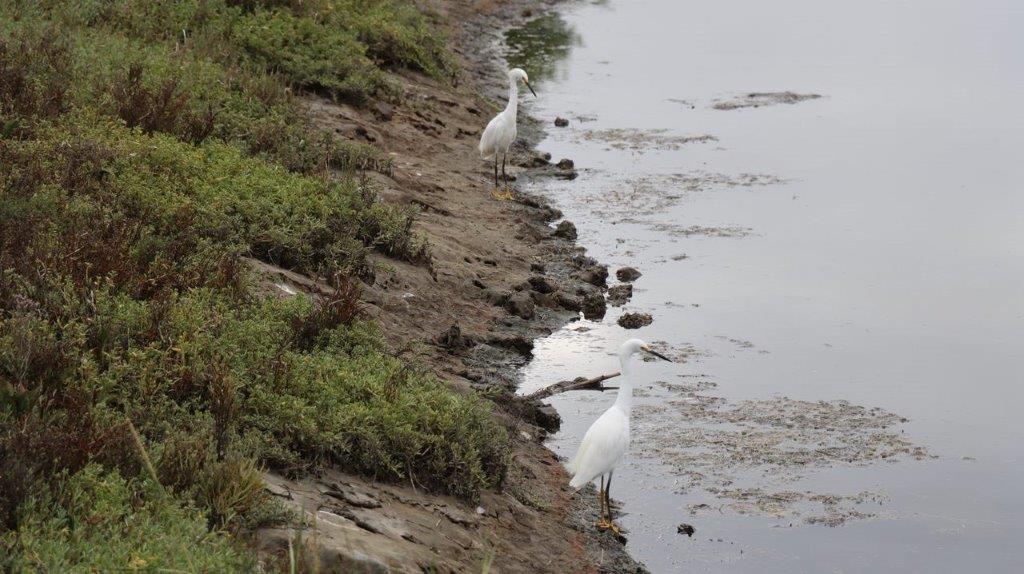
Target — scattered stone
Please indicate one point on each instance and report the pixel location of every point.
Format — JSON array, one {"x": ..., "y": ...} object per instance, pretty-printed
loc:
[
  {"x": 566, "y": 230},
  {"x": 619, "y": 295},
  {"x": 635, "y": 320},
  {"x": 453, "y": 339},
  {"x": 547, "y": 418},
  {"x": 479, "y": 284},
  {"x": 521, "y": 305},
  {"x": 383, "y": 111},
  {"x": 686, "y": 529},
  {"x": 542, "y": 284},
  {"x": 581, "y": 261},
  {"x": 534, "y": 161},
  {"x": 537, "y": 267},
  {"x": 353, "y": 498},
  {"x": 596, "y": 275},
  {"x": 517, "y": 343},
  {"x": 628, "y": 274},
  {"x": 594, "y": 306},
  {"x": 568, "y": 302},
  {"x": 565, "y": 164},
  {"x": 561, "y": 122},
  {"x": 496, "y": 298},
  {"x": 567, "y": 175},
  {"x": 277, "y": 490}
]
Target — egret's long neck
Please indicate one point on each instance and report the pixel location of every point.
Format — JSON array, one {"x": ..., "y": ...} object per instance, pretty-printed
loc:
[
  {"x": 625, "y": 398},
  {"x": 513, "y": 95}
]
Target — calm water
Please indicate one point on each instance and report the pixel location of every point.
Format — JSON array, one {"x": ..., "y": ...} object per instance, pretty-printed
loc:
[{"x": 882, "y": 262}]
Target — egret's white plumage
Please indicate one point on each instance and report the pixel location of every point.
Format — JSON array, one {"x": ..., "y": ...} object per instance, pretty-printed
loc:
[
  {"x": 501, "y": 130},
  {"x": 608, "y": 438}
]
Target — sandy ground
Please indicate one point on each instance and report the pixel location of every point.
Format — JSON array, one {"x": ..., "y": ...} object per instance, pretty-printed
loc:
[{"x": 500, "y": 277}]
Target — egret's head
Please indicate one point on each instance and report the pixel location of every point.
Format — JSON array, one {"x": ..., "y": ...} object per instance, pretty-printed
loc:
[
  {"x": 634, "y": 346},
  {"x": 517, "y": 74}
]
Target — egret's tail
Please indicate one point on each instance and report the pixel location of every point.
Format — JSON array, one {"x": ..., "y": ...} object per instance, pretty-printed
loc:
[
  {"x": 573, "y": 467},
  {"x": 485, "y": 154}
]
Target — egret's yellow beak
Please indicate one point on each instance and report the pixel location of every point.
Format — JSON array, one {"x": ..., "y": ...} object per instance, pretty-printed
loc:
[
  {"x": 657, "y": 354},
  {"x": 527, "y": 82}
]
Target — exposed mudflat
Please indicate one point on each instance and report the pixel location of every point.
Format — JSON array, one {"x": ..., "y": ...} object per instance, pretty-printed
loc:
[
  {"x": 641, "y": 141},
  {"x": 730, "y": 448},
  {"x": 761, "y": 99}
]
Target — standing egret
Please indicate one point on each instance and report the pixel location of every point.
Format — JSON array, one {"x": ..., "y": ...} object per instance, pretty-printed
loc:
[
  {"x": 608, "y": 438},
  {"x": 501, "y": 131}
]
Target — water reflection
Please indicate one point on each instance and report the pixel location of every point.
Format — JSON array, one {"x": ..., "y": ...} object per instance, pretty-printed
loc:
[{"x": 541, "y": 46}]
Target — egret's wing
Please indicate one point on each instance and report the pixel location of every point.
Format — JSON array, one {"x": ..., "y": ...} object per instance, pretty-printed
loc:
[
  {"x": 491, "y": 136},
  {"x": 581, "y": 453},
  {"x": 605, "y": 442}
]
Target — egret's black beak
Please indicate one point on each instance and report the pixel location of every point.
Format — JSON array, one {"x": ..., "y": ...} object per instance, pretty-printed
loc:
[
  {"x": 531, "y": 88},
  {"x": 659, "y": 355}
]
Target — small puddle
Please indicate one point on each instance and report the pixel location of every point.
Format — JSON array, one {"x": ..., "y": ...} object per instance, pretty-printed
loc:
[{"x": 832, "y": 246}]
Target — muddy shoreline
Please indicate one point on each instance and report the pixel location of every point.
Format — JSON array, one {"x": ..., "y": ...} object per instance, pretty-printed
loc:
[{"x": 502, "y": 276}]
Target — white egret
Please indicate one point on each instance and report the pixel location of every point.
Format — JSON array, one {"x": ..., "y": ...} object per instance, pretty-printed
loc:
[
  {"x": 608, "y": 438},
  {"x": 501, "y": 131}
]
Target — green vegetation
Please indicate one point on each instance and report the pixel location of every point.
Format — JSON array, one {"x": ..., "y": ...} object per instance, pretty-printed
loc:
[{"x": 146, "y": 150}]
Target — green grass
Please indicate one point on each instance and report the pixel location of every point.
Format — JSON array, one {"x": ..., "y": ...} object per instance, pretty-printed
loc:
[{"x": 141, "y": 165}]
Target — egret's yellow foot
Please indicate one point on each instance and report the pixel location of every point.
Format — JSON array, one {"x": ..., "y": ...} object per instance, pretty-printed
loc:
[
  {"x": 614, "y": 528},
  {"x": 502, "y": 196},
  {"x": 496, "y": 193},
  {"x": 604, "y": 524}
]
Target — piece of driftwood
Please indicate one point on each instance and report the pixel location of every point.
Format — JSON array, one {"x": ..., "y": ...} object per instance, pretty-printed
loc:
[{"x": 574, "y": 385}]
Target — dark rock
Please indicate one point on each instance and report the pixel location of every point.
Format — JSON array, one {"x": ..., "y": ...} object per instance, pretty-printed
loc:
[
  {"x": 524, "y": 286},
  {"x": 581, "y": 261},
  {"x": 480, "y": 284},
  {"x": 369, "y": 135},
  {"x": 384, "y": 112},
  {"x": 566, "y": 230},
  {"x": 517, "y": 343},
  {"x": 548, "y": 419},
  {"x": 534, "y": 161},
  {"x": 568, "y": 302},
  {"x": 497, "y": 298},
  {"x": 620, "y": 294},
  {"x": 594, "y": 306},
  {"x": 547, "y": 300},
  {"x": 561, "y": 122},
  {"x": 596, "y": 275},
  {"x": 567, "y": 175},
  {"x": 565, "y": 164},
  {"x": 542, "y": 284},
  {"x": 546, "y": 156},
  {"x": 685, "y": 529},
  {"x": 628, "y": 274},
  {"x": 538, "y": 267},
  {"x": 521, "y": 305},
  {"x": 453, "y": 339},
  {"x": 635, "y": 320}
]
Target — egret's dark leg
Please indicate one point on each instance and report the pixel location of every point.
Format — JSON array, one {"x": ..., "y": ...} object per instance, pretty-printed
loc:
[
  {"x": 495, "y": 170},
  {"x": 603, "y": 522},
  {"x": 608, "y": 495},
  {"x": 504, "y": 177},
  {"x": 608, "y": 503}
]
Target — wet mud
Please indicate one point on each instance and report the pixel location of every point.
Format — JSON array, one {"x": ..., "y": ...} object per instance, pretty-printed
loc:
[{"x": 761, "y": 99}]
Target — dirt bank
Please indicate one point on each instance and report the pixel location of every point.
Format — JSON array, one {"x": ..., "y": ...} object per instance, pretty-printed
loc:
[{"x": 499, "y": 278}]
